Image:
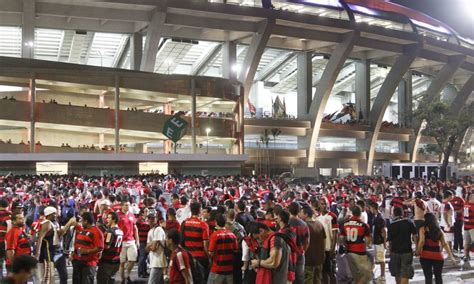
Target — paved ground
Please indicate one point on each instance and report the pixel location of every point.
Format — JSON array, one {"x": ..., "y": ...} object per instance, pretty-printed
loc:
[{"x": 452, "y": 274}]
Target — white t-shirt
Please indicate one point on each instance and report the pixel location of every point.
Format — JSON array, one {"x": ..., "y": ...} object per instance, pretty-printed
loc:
[
  {"x": 364, "y": 217},
  {"x": 157, "y": 258},
  {"x": 434, "y": 206},
  {"x": 183, "y": 214},
  {"x": 326, "y": 220}
]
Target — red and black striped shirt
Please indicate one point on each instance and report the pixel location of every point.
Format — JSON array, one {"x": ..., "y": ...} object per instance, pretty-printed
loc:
[
  {"x": 195, "y": 232},
  {"x": 469, "y": 216},
  {"x": 458, "y": 206},
  {"x": 431, "y": 249},
  {"x": 355, "y": 232},
  {"x": 223, "y": 243},
  {"x": 301, "y": 230},
  {"x": 5, "y": 215},
  {"x": 143, "y": 228}
]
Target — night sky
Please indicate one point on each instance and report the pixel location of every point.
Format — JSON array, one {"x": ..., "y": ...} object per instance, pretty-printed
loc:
[{"x": 458, "y": 14}]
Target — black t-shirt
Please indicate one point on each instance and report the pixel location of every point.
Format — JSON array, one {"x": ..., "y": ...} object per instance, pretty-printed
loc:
[
  {"x": 377, "y": 226},
  {"x": 399, "y": 234}
]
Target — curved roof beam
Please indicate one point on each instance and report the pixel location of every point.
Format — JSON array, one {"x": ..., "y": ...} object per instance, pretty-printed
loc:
[
  {"x": 436, "y": 86},
  {"x": 384, "y": 95},
  {"x": 323, "y": 91}
]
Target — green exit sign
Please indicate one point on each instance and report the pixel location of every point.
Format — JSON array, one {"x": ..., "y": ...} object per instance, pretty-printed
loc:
[{"x": 175, "y": 128}]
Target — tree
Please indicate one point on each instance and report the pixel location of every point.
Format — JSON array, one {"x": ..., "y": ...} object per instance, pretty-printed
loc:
[{"x": 446, "y": 125}]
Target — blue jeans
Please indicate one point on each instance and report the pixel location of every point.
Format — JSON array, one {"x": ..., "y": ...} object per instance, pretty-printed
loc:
[{"x": 142, "y": 257}]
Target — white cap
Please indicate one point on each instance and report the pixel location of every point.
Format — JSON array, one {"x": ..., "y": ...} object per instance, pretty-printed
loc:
[{"x": 49, "y": 210}]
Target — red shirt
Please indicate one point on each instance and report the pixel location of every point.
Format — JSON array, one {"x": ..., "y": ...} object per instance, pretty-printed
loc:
[
  {"x": 18, "y": 241},
  {"x": 355, "y": 231},
  {"x": 127, "y": 225},
  {"x": 89, "y": 238},
  {"x": 173, "y": 224},
  {"x": 179, "y": 261},
  {"x": 195, "y": 232},
  {"x": 223, "y": 243},
  {"x": 458, "y": 206}
]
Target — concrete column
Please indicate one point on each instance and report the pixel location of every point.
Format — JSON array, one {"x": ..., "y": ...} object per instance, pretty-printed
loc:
[
  {"x": 153, "y": 36},
  {"x": 304, "y": 83},
  {"x": 405, "y": 100},
  {"x": 32, "y": 98},
  {"x": 117, "y": 112},
  {"x": 102, "y": 100},
  {"x": 229, "y": 60},
  {"x": 101, "y": 139},
  {"x": 193, "y": 116},
  {"x": 136, "y": 51},
  {"x": 241, "y": 120},
  {"x": 167, "y": 143},
  {"x": 324, "y": 89},
  {"x": 362, "y": 89},
  {"x": 28, "y": 29},
  {"x": 384, "y": 95}
]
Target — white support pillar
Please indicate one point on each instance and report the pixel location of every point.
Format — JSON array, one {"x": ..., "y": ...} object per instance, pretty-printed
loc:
[
  {"x": 304, "y": 72},
  {"x": 384, "y": 95},
  {"x": 436, "y": 86},
  {"x": 362, "y": 89},
  {"x": 193, "y": 116},
  {"x": 32, "y": 98},
  {"x": 324, "y": 89},
  {"x": 254, "y": 54},
  {"x": 229, "y": 60},
  {"x": 117, "y": 113},
  {"x": 28, "y": 29},
  {"x": 136, "y": 51},
  {"x": 153, "y": 35}
]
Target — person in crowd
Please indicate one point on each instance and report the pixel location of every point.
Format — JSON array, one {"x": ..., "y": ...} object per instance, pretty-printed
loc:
[
  {"x": 242, "y": 216},
  {"x": 433, "y": 204},
  {"x": 48, "y": 247},
  {"x": 155, "y": 246},
  {"x": 240, "y": 233},
  {"x": 400, "y": 234},
  {"x": 5, "y": 225},
  {"x": 22, "y": 269},
  {"x": 143, "y": 227},
  {"x": 331, "y": 228},
  {"x": 222, "y": 245},
  {"x": 109, "y": 263},
  {"x": 302, "y": 240},
  {"x": 420, "y": 209},
  {"x": 469, "y": 226},
  {"x": 17, "y": 241},
  {"x": 180, "y": 260},
  {"x": 315, "y": 252},
  {"x": 447, "y": 217},
  {"x": 379, "y": 237},
  {"x": 130, "y": 244},
  {"x": 273, "y": 261},
  {"x": 88, "y": 245},
  {"x": 355, "y": 235},
  {"x": 458, "y": 206},
  {"x": 429, "y": 248},
  {"x": 171, "y": 222},
  {"x": 196, "y": 238}
]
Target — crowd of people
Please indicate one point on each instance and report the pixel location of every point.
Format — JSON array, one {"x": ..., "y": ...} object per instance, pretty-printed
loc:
[{"x": 231, "y": 229}]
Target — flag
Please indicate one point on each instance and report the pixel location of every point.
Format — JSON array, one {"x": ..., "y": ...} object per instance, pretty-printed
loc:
[{"x": 252, "y": 108}]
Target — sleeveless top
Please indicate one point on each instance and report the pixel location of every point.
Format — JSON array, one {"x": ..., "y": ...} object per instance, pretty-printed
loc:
[
  {"x": 431, "y": 249},
  {"x": 50, "y": 244}
]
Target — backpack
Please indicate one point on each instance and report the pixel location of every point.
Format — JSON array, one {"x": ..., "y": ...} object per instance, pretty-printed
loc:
[{"x": 195, "y": 266}]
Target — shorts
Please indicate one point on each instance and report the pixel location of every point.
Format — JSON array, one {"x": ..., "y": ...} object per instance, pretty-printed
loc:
[
  {"x": 360, "y": 266},
  {"x": 469, "y": 236},
  {"x": 379, "y": 254},
  {"x": 448, "y": 234},
  {"x": 129, "y": 252},
  {"x": 401, "y": 265},
  {"x": 418, "y": 225}
]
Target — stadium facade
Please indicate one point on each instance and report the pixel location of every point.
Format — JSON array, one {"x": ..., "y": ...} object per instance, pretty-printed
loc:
[{"x": 316, "y": 87}]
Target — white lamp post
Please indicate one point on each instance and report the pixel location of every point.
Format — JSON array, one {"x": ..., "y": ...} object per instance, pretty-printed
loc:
[{"x": 207, "y": 139}]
